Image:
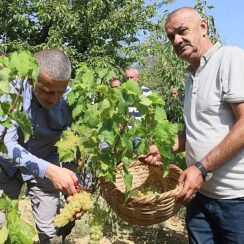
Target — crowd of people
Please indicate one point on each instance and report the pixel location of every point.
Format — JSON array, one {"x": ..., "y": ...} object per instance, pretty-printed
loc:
[{"x": 213, "y": 137}]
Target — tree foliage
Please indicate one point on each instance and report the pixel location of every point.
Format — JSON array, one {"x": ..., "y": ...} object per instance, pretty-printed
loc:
[
  {"x": 14, "y": 229},
  {"x": 161, "y": 69},
  {"x": 95, "y": 30},
  {"x": 13, "y": 70}
]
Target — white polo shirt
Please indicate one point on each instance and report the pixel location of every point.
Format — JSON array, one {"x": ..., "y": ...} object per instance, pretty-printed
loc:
[{"x": 218, "y": 81}]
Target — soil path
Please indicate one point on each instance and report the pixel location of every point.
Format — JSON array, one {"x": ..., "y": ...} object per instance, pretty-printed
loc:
[{"x": 169, "y": 232}]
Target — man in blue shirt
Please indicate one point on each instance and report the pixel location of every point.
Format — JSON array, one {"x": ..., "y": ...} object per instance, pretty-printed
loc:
[{"x": 36, "y": 161}]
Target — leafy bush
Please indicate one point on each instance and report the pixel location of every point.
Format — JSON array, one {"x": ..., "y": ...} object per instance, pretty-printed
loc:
[{"x": 103, "y": 130}]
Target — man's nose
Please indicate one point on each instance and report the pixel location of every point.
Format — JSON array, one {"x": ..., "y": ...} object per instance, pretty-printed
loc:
[{"x": 178, "y": 39}]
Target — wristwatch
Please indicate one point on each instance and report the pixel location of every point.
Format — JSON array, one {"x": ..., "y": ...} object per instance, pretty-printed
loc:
[{"x": 205, "y": 174}]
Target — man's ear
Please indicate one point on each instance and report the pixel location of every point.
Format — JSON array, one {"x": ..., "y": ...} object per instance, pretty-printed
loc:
[
  {"x": 204, "y": 26},
  {"x": 30, "y": 81}
]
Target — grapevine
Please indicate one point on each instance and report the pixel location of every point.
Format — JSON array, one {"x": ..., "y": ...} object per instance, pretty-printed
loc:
[
  {"x": 80, "y": 202},
  {"x": 97, "y": 221},
  {"x": 101, "y": 116}
]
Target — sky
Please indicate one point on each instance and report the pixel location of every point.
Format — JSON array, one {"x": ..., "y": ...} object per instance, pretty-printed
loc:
[{"x": 228, "y": 16}]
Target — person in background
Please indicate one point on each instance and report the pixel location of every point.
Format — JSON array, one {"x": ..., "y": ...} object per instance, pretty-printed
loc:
[
  {"x": 213, "y": 138},
  {"x": 132, "y": 74},
  {"x": 153, "y": 157},
  {"x": 174, "y": 93},
  {"x": 115, "y": 83},
  {"x": 36, "y": 161}
]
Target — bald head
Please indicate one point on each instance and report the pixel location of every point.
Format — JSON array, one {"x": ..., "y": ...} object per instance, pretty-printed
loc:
[{"x": 132, "y": 74}]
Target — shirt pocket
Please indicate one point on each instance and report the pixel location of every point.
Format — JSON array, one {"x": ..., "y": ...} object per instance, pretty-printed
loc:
[{"x": 208, "y": 105}]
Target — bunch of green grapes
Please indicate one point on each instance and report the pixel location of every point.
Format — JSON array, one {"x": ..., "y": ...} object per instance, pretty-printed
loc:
[
  {"x": 147, "y": 191},
  {"x": 97, "y": 220},
  {"x": 80, "y": 202}
]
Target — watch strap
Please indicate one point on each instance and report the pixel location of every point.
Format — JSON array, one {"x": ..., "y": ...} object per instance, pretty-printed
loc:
[{"x": 201, "y": 168}]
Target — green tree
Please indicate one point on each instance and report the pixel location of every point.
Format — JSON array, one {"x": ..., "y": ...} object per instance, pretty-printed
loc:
[
  {"x": 97, "y": 31},
  {"x": 161, "y": 69}
]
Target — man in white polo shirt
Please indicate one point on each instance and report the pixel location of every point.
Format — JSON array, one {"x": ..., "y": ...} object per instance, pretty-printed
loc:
[{"x": 214, "y": 131}]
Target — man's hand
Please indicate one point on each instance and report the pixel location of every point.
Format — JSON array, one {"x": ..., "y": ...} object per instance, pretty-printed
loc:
[
  {"x": 63, "y": 179},
  {"x": 153, "y": 157},
  {"x": 192, "y": 180}
]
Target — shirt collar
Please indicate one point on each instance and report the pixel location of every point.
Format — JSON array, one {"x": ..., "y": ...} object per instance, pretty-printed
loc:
[
  {"x": 205, "y": 58},
  {"x": 211, "y": 51}
]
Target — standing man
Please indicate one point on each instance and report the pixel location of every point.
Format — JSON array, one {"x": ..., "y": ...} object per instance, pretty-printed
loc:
[
  {"x": 115, "y": 83},
  {"x": 153, "y": 157},
  {"x": 132, "y": 74},
  {"x": 214, "y": 131},
  {"x": 36, "y": 161},
  {"x": 174, "y": 93}
]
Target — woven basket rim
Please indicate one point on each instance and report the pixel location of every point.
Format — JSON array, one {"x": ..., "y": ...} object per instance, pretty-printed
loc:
[{"x": 144, "y": 210}]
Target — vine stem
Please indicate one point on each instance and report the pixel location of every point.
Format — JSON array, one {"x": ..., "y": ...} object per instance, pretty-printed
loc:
[{"x": 121, "y": 131}]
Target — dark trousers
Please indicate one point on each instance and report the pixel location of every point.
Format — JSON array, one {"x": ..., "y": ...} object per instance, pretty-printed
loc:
[{"x": 214, "y": 221}]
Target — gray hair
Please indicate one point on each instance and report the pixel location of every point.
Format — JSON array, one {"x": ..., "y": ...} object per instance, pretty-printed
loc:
[
  {"x": 135, "y": 71},
  {"x": 190, "y": 9},
  {"x": 54, "y": 63}
]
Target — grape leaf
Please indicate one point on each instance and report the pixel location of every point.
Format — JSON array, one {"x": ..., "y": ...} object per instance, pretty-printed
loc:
[
  {"x": 132, "y": 88},
  {"x": 5, "y": 203},
  {"x": 160, "y": 114},
  {"x": 145, "y": 100},
  {"x": 4, "y": 108},
  {"x": 4, "y": 80},
  {"x": 4, "y": 233},
  {"x": 3, "y": 149},
  {"x": 21, "y": 232},
  {"x": 25, "y": 64},
  {"x": 67, "y": 146}
]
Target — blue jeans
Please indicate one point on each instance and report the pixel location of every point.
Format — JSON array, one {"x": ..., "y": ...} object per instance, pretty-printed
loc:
[{"x": 215, "y": 221}]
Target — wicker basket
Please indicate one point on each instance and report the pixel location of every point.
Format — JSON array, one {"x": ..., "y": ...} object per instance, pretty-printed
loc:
[{"x": 145, "y": 210}]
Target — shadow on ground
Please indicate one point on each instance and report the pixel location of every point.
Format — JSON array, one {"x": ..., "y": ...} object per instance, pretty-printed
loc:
[{"x": 157, "y": 234}]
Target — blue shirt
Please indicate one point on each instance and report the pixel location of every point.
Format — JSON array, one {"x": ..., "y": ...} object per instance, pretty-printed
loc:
[{"x": 33, "y": 157}]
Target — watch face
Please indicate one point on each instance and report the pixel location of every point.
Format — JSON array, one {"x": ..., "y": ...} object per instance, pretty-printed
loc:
[{"x": 208, "y": 176}]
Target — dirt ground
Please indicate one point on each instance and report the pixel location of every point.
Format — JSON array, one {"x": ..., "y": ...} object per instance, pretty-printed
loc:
[{"x": 169, "y": 232}]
